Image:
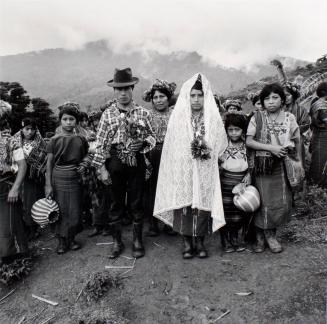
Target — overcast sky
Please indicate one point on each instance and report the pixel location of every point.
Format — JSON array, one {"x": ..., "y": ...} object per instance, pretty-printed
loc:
[{"x": 233, "y": 33}]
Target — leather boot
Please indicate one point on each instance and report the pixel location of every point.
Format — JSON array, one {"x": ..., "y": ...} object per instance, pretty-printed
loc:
[
  {"x": 138, "y": 248},
  {"x": 188, "y": 247},
  {"x": 274, "y": 245},
  {"x": 118, "y": 246},
  {"x": 200, "y": 248},
  {"x": 62, "y": 245},
  {"x": 260, "y": 241},
  {"x": 153, "y": 228}
]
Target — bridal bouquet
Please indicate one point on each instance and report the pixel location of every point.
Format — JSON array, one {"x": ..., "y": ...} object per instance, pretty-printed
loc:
[
  {"x": 199, "y": 147},
  {"x": 134, "y": 128}
]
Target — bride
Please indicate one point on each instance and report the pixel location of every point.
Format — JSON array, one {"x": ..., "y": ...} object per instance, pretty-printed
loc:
[{"x": 188, "y": 196}]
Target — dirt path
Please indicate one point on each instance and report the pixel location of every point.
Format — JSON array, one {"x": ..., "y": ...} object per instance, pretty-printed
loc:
[{"x": 164, "y": 288}]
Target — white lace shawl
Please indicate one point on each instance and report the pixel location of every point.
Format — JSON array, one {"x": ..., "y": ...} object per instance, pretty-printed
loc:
[{"x": 184, "y": 181}]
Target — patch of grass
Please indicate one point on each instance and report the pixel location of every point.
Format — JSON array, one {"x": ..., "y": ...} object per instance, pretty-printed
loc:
[
  {"x": 309, "y": 221},
  {"x": 15, "y": 271},
  {"x": 99, "y": 284}
]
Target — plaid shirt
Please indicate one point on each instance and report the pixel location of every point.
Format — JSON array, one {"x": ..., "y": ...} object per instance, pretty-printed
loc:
[{"x": 113, "y": 131}]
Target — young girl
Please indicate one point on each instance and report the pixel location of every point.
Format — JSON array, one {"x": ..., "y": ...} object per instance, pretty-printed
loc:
[
  {"x": 233, "y": 169},
  {"x": 65, "y": 152},
  {"x": 272, "y": 134}
]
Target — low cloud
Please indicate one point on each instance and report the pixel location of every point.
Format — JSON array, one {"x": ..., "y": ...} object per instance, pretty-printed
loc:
[{"x": 234, "y": 33}]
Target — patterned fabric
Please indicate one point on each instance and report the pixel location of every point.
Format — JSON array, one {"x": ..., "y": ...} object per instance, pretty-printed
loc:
[
  {"x": 159, "y": 85},
  {"x": 113, "y": 130},
  {"x": 10, "y": 153},
  {"x": 34, "y": 152},
  {"x": 233, "y": 102},
  {"x": 234, "y": 158},
  {"x": 264, "y": 131},
  {"x": 228, "y": 181},
  {"x": 160, "y": 123},
  {"x": 301, "y": 115},
  {"x": 276, "y": 199},
  {"x": 184, "y": 181}
]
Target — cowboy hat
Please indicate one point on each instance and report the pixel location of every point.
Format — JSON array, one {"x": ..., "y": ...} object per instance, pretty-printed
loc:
[{"x": 122, "y": 78}]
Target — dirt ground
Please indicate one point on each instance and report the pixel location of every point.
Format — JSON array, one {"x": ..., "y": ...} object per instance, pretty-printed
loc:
[{"x": 163, "y": 288}]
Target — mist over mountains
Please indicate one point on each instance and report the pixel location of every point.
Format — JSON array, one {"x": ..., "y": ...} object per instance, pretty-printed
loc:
[{"x": 59, "y": 75}]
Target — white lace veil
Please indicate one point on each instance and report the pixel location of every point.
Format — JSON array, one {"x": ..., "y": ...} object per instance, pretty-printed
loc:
[{"x": 184, "y": 181}]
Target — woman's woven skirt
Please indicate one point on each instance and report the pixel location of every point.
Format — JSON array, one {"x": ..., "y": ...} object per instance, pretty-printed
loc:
[
  {"x": 67, "y": 188},
  {"x": 12, "y": 237},
  {"x": 276, "y": 199}
]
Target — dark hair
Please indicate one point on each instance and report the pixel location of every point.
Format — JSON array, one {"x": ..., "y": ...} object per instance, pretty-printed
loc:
[
  {"x": 83, "y": 115},
  {"x": 295, "y": 94},
  {"x": 163, "y": 91},
  {"x": 4, "y": 124},
  {"x": 255, "y": 98},
  {"x": 130, "y": 86},
  {"x": 198, "y": 84},
  {"x": 27, "y": 121},
  {"x": 236, "y": 119},
  {"x": 322, "y": 90},
  {"x": 272, "y": 88},
  {"x": 69, "y": 111}
]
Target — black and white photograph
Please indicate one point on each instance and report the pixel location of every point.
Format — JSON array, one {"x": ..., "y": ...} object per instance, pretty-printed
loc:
[{"x": 163, "y": 162}]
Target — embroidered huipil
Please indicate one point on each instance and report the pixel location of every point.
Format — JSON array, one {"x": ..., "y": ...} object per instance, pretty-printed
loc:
[
  {"x": 113, "y": 130},
  {"x": 234, "y": 158},
  {"x": 160, "y": 123}
]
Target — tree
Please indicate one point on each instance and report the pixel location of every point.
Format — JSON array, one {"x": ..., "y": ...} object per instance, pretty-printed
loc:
[
  {"x": 45, "y": 119},
  {"x": 15, "y": 94}
]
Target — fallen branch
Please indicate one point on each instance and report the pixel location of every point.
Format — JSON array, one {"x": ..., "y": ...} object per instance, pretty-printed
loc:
[
  {"x": 48, "y": 320},
  {"x": 221, "y": 316},
  {"x": 79, "y": 294},
  {"x": 45, "y": 300},
  {"x": 4, "y": 297},
  {"x": 118, "y": 267},
  {"x": 159, "y": 245},
  {"x": 22, "y": 320},
  {"x": 105, "y": 243}
]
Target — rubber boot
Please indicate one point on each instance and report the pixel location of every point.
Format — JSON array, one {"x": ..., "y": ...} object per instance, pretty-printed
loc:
[
  {"x": 118, "y": 246},
  {"x": 153, "y": 228},
  {"x": 188, "y": 247},
  {"x": 138, "y": 248},
  {"x": 200, "y": 248}
]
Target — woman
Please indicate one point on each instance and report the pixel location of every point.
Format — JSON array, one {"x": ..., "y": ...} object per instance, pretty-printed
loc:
[
  {"x": 34, "y": 147},
  {"x": 232, "y": 105},
  {"x": 159, "y": 95},
  {"x": 66, "y": 151},
  {"x": 188, "y": 196},
  {"x": 12, "y": 173},
  {"x": 272, "y": 134},
  {"x": 318, "y": 112}
]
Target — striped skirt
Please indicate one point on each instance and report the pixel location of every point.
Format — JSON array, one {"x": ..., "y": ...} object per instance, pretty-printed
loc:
[
  {"x": 67, "y": 188},
  {"x": 276, "y": 199},
  {"x": 228, "y": 181},
  {"x": 318, "y": 166},
  {"x": 192, "y": 222}
]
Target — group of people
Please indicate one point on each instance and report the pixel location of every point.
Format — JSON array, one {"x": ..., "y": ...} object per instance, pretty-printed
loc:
[{"x": 177, "y": 165}]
